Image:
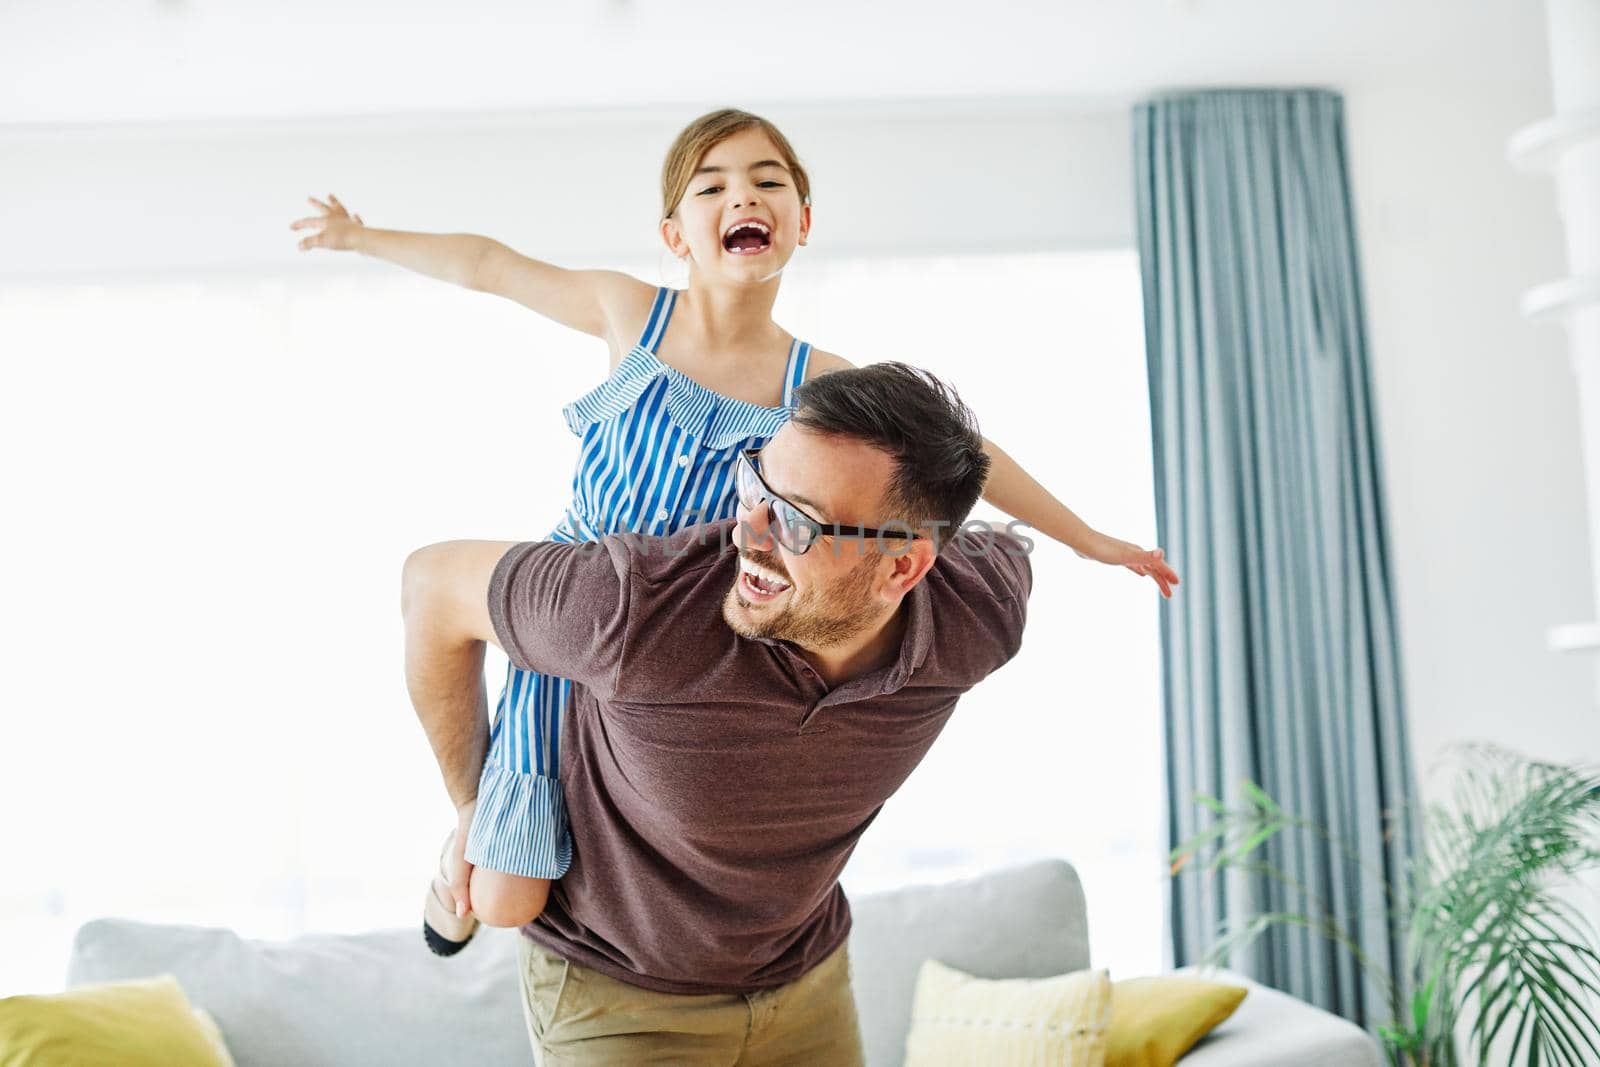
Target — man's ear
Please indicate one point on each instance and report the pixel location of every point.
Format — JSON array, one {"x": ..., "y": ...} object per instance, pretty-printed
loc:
[
  {"x": 911, "y": 564},
  {"x": 672, "y": 237}
]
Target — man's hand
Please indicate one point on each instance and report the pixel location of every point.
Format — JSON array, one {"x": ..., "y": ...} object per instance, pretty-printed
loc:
[{"x": 457, "y": 869}]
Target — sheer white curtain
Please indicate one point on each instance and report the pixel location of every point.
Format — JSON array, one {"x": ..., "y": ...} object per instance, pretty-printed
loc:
[
  {"x": 1059, "y": 754},
  {"x": 212, "y": 484}
]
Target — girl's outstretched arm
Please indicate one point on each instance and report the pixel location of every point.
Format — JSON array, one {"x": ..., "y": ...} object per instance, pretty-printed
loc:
[
  {"x": 588, "y": 300},
  {"x": 1015, "y": 492}
]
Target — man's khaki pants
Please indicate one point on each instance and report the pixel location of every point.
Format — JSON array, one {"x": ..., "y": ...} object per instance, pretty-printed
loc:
[{"x": 578, "y": 1016}]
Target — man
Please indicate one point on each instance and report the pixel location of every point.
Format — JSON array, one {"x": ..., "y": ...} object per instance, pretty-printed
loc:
[{"x": 739, "y": 714}]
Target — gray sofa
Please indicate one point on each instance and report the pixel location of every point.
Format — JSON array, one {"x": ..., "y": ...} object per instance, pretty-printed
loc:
[{"x": 382, "y": 999}]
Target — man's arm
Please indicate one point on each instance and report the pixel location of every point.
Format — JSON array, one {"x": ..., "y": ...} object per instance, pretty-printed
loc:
[
  {"x": 558, "y": 609},
  {"x": 444, "y": 600}
]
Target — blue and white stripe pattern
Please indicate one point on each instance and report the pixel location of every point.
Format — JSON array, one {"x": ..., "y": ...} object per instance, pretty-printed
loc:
[{"x": 658, "y": 454}]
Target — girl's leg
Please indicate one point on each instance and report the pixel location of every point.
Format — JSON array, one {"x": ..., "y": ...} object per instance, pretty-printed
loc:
[
  {"x": 519, "y": 837},
  {"x": 519, "y": 823},
  {"x": 500, "y": 899}
]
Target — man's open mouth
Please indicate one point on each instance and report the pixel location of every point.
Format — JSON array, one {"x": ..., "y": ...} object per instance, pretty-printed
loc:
[
  {"x": 758, "y": 584},
  {"x": 747, "y": 237}
]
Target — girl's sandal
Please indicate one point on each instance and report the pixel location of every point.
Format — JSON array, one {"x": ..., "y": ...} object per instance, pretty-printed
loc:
[{"x": 445, "y": 932}]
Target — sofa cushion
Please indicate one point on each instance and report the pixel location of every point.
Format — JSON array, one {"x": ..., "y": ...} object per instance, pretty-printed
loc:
[
  {"x": 143, "y": 1023},
  {"x": 383, "y": 999},
  {"x": 378, "y": 998},
  {"x": 1154, "y": 1021},
  {"x": 1025, "y": 922},
  {"x": 957, "y": 1019},
  {"x": 1272, "y": 1028}
]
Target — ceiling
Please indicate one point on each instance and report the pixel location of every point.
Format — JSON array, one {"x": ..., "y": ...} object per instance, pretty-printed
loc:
[{"x": 68, "y": 62}]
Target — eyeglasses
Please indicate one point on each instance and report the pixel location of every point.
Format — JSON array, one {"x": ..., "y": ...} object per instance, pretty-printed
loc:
[{"x": 796, "y": 530}]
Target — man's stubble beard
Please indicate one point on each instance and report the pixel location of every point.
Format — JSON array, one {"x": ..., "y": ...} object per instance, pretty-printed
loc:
[{"x": 844, "y": 611}]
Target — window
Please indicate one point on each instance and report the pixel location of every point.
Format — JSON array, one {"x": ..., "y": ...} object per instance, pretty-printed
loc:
[
  {"x": 1060, "y": 753},
  {"x": 213, "y": 487}
]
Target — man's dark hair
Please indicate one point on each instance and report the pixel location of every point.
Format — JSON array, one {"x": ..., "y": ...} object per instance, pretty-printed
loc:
[{"x": 939, "y": 463}]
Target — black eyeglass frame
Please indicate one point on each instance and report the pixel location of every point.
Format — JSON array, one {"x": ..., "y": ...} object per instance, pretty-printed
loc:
[{"x": 748, "y": 459}]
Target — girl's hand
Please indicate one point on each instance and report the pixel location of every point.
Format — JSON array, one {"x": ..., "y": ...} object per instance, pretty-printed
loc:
[
  {"x": 1146, "y": 564},
  {"x": 335, "y": 227}
]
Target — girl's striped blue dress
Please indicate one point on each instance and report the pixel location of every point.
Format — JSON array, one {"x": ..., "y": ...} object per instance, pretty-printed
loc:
[{"x": 657, "y": 454}]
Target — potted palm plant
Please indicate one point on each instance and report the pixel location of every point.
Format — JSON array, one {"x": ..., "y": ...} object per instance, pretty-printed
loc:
[{"x": 1493, "y": 949}]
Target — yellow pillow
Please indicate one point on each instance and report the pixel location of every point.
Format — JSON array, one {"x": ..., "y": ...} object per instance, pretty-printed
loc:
[
  {"x": 213, "y": 1034},
  {"x": 1156, "y": 1020},
  {"x": 148, "y": 1023},
  {"x": 1012, "y": 1022}
]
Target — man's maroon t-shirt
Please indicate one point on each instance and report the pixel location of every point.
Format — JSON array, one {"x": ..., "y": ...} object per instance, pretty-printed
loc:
[{"x": 715, "y": 784}]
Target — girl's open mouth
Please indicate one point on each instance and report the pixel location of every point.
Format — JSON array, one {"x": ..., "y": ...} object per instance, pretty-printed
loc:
[{"x": 748, "y": 238}]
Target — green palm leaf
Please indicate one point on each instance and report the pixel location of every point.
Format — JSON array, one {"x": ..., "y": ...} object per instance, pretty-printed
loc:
[{"x": 1489, "y": 941}]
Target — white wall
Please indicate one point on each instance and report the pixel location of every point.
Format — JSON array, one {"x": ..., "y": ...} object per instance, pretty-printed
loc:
[
  {"x": 1477, "y": 405},
  {"x": 893, "y": 179},
  {"x": 1478, "y": 420}
]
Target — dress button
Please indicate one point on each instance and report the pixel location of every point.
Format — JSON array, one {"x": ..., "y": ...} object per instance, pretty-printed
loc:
[
  {"x": 683, "y": 460},
  {"x": 661, "y": 516}
]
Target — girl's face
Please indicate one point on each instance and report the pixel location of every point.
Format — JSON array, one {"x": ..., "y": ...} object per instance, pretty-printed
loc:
[{"x": 740, "y": 218}]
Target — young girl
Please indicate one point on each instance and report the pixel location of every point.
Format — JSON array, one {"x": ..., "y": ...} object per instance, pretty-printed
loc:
[{"x": 697, "y": 376}]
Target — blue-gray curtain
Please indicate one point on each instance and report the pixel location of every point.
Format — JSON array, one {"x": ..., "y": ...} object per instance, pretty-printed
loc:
[{"x": 1280, "y": 652}]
